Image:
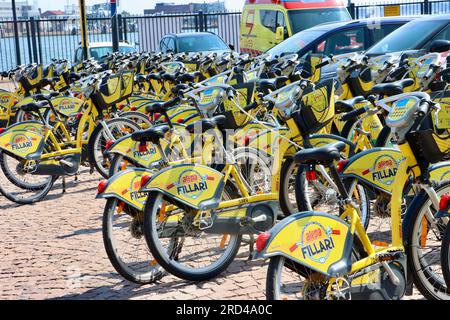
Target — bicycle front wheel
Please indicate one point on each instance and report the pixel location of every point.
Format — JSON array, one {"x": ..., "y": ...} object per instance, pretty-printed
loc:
[
  {"x": 423, "y": 239},
  {"x": 197, "y": 256},
  {"x": 18, "y": 184},
  {"x": 105, "y": 131}
]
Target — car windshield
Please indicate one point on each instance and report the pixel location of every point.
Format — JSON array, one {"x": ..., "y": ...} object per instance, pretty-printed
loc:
[
  {"x": 201, "y": 43},
  {"x": 100, "y": 52},
  {"x": 297, "y": 42},
  {"x": 305, "y": 19},
  {"x": 409, "y": 37}
]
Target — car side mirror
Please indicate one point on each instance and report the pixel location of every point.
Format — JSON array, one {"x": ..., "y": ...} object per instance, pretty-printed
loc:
[
  {"x": 279, "y": 33},
  {"x": 440, "y": 46},
  {"x": 232, "y": 47}
]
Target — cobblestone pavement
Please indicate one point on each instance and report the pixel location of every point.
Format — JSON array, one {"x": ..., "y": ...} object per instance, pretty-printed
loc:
[{"x": 54, "y": 250}]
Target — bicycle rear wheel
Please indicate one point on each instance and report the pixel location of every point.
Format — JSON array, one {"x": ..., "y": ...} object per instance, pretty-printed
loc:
[
  {"x": 20, "y": 186},
  {"x": 125, "y": 245}
]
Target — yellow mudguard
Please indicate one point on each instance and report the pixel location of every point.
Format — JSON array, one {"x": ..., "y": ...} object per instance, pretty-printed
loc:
[
  {"x": 130, "y": 150},
  {"x": 377, "y": 167},
  {"x": 68, "y": 106},
  {"x": 316, "y": 240},
  {"x": 322, "y": 140},
  {"x": 440, "y": 172},
  {"x": 196, "y": 186},
  {"x": 24, "y": 140},
  {"x": 126, "y": 186}
]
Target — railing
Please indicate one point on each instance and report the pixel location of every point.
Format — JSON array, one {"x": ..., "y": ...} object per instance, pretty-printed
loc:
[
  {"x": 401, "y": 7},
  {"x": 42, "y": 39}
]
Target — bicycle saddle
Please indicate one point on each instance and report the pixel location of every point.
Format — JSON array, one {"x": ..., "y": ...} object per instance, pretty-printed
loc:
[
  {"x": 34, "y": 106},
  {"x": 73, "y": 76},
  {"x": 45, "y": 97},
  {"x": 343, "y": 106},
  {"x": 161, "y": 107},
  {"x": 179, "y": 88},
  {"x": 152, "y": 135},
  {"x": 188, "y": 77},
  {"x": 206, "y": 124},
  {"x": 272, "y": 84},
  {"x": 154, "y": 76},
  {"x": 141, "y": 78},
  {"x": 393, "y": 88},
  {"x": 325, "y": 155},
  {"x": 169, "y": 77}
]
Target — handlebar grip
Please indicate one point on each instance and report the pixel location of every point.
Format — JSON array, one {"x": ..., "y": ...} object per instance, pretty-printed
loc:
[
  {"x": 250, "y": 107},
  {"x": 353, "y": 114},
  {"x": 423, "y": 109},
  {"x": 323, "y": 64}
]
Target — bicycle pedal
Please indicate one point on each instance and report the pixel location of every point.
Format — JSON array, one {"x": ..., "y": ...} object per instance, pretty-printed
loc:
[{"x": 389, "y": 256}]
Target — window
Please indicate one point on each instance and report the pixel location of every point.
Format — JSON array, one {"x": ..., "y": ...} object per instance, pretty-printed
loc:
[
  {"x": 171, "y": 45},
  {"x": 268, "y": 19},
  {"x": 204, "y": 43},
  {"x": 163, "y": 45},
  {"x": 444, "y": 34},
  {"x": 343, "y": 42},
  {"x": 79, "y": 55},
  {"x": 383, "y": 31}
]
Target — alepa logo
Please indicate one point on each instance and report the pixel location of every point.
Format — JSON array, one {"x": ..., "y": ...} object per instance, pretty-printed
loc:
[
  {"x": 66, "y": 105},
  {"x": 21, "y": 143},
  {"x": 146, "y": 155},
  {"x": 135, "y": 195},
  {"x": 191, "y": 184},
  {"x": 316, "y": 242},
  {"x": 384, "y": 170}
]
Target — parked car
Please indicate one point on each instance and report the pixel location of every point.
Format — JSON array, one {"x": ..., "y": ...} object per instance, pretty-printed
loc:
[
  {"x": 265, "y": 24},
  {"x": 97, "y": 50},
  {"x": 420, "y": 34},
  {"x": 339, "y": 37},
  {"x": 205, "y": 42}
]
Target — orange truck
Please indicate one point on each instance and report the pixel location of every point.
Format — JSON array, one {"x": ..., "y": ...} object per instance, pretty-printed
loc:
[{"x": 266, "y": 23}]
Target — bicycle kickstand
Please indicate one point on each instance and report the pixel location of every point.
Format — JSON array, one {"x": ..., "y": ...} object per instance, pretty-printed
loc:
[{"x": 64, "y": 185}]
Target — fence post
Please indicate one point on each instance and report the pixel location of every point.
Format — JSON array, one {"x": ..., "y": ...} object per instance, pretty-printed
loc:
[
  {"x": 201, "y": 22},
  {"x": 33, "y": 39},
  {"x": 124, "y": 29},
  {"x": 120, "y": 28},
  {"x": 38, "y": 34},
  {"x": 27, "y": 27},
  {"x": 426, "y": 7},
  {"x": 16, "y": 33},
  {"x": 352, "y": 10}
]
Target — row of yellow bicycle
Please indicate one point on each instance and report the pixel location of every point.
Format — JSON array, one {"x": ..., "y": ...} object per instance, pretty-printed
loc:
[{"x": 203, "y": 154}]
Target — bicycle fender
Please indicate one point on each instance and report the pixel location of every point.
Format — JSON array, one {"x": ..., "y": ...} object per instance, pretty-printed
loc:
[
  {"x": 440, "y": 172},
  {"x": 376, "y": 167},
  {"x": 196, "y": 186},
  {"x": 68, "y": 106},
  {"x": 250, "y": 130},
  {"x": 129, "y": 149},
  {"x": 24, "y": 140},
  {"x": 268, "y": 142},
  {"x": 315, "y": 240},
  {"x": 322, "y": 140},
  {"x": 126, "y": 186}
]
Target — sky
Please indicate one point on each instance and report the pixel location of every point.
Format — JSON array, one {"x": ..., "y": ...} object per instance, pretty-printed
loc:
[{"x": 132, "y": 6}]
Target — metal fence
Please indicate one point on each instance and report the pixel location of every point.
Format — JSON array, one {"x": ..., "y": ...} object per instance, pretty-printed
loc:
[
  {"x": 401, "y": 7},
  {"x": 42, "y": 39}
]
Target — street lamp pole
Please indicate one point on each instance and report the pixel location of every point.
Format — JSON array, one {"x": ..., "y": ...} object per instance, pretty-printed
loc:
[
  {"x": 83, "y": 28},
  {"x": 16, "y": 32},
  {"x": 114, "y": 26}
]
